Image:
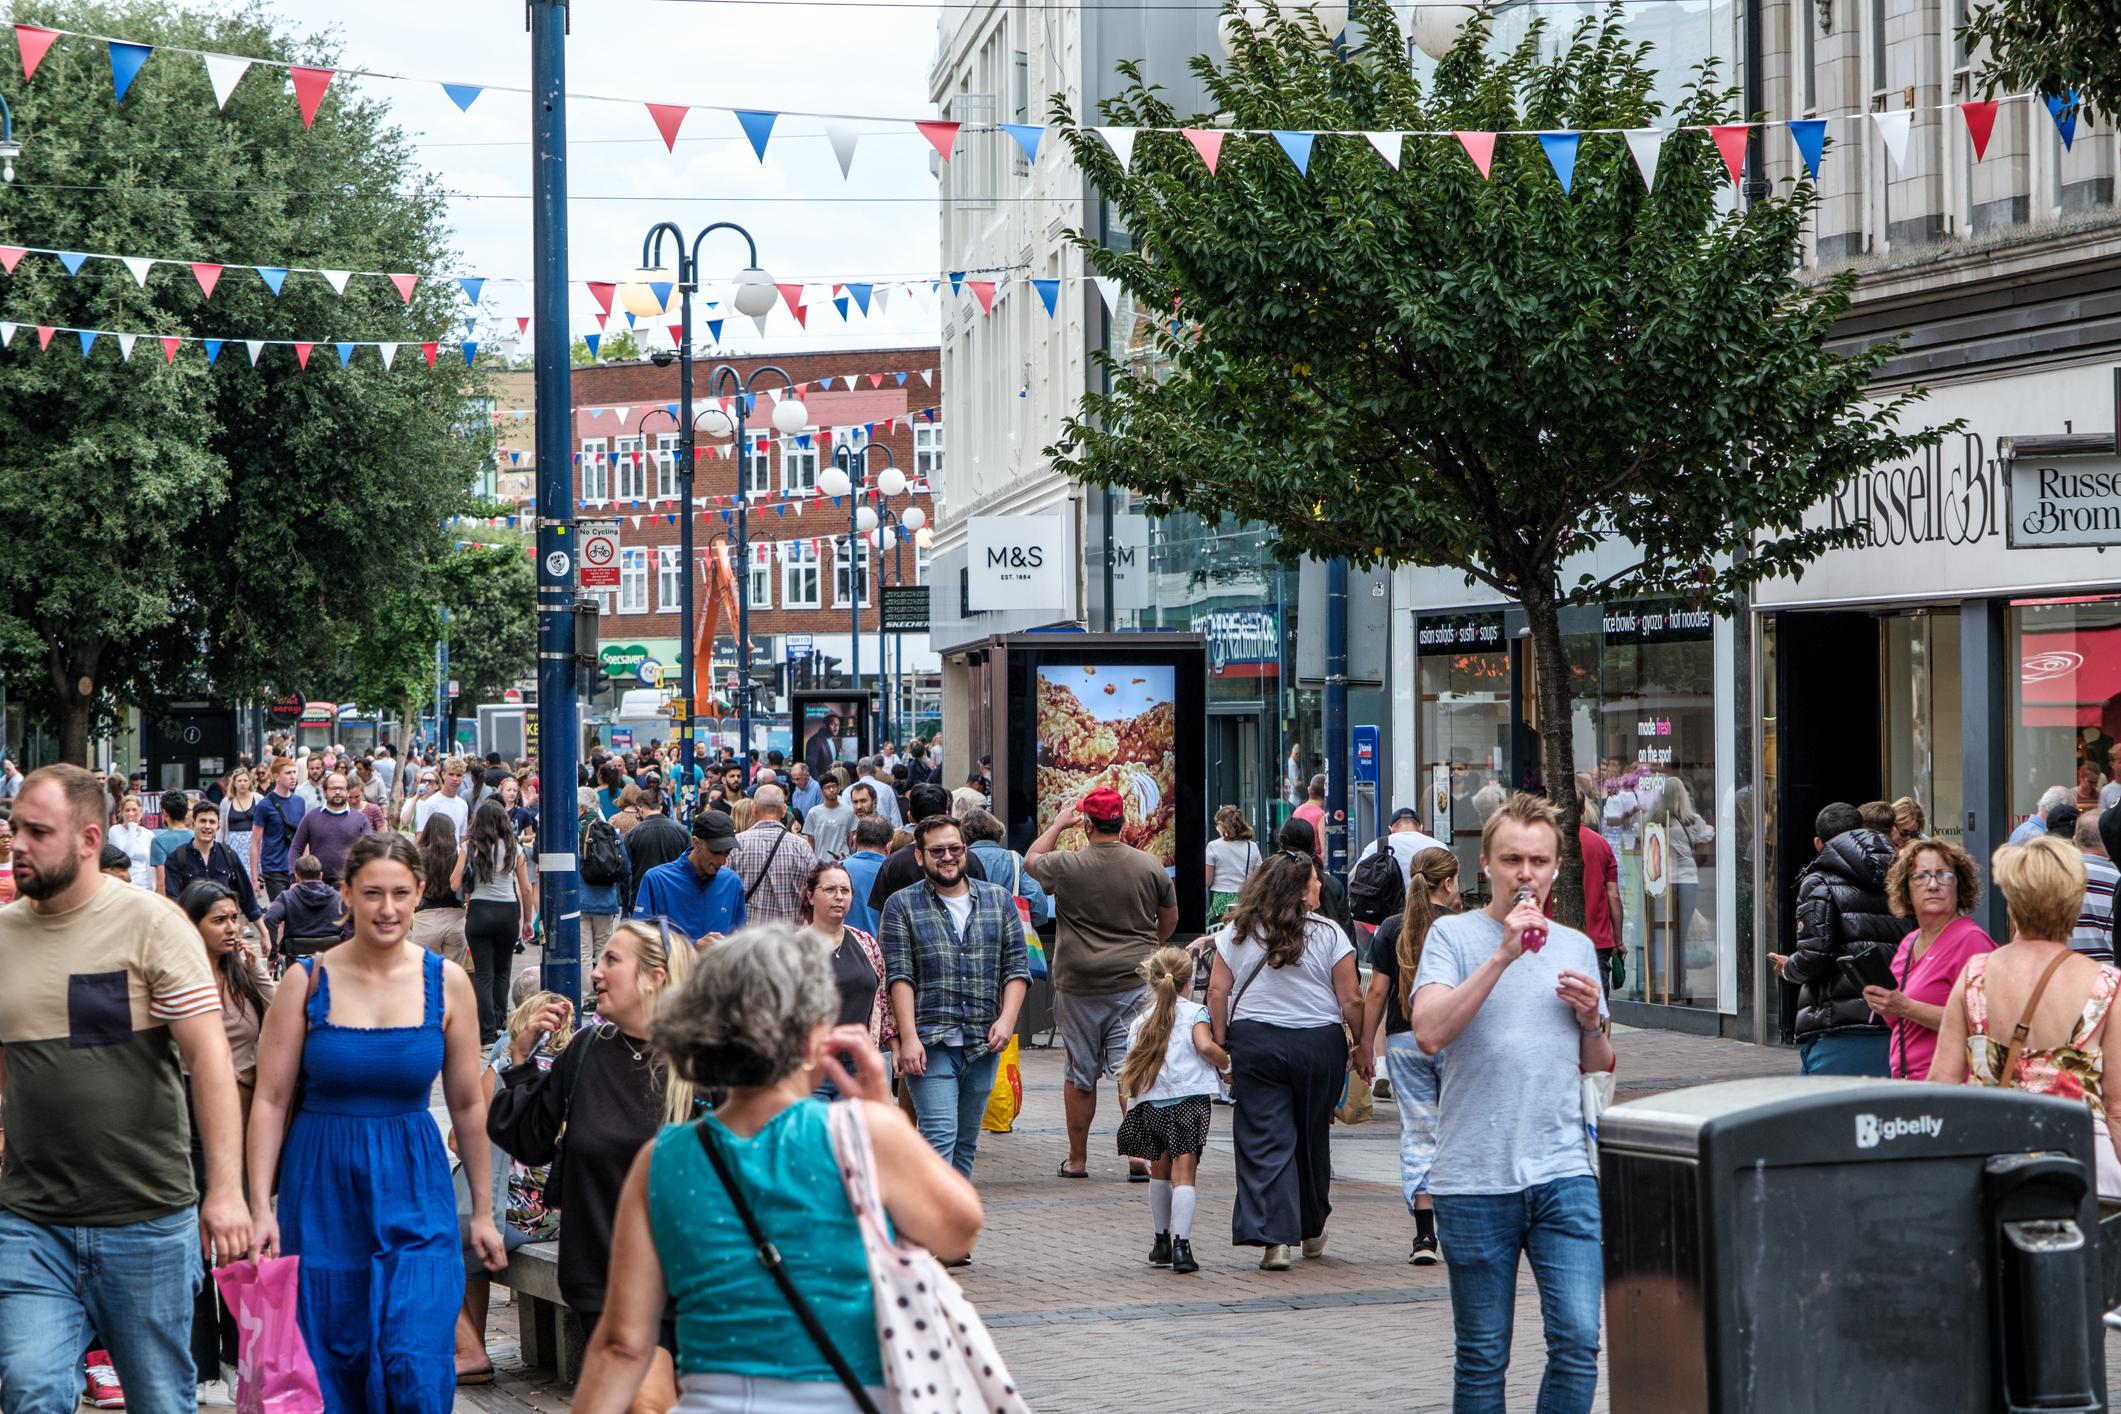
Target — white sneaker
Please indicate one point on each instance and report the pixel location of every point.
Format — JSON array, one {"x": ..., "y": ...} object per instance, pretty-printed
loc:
[
  {"x": 1275, "y": 1259},
  {"x": 2113, "y": 1320},
  {"x": 1315, "y": 1246},
  {"x": 216, "y": 1394}
]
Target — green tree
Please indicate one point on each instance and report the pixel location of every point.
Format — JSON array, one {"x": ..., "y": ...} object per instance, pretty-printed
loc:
[
  {"x": 2050, "y": 47},
  {"x": 493, "y": 633},
  {"x": 616, "y": 347},
  {"x": 178, "y": 528},
  {"x": 1418, "y": 365}
]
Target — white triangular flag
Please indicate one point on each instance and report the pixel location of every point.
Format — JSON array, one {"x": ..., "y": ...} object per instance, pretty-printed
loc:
[
  {"x": 1645, "y": 145},
  {"x": 336, "y": 279},
  {"x": 1108, "y": 291},
  {"x": 125, "y": 346},
  {"x": 760, "y": 320},
  {"x": 928, "y": 376},
  {"x": 1893, "y": 128},
  {"x": 880, "y": 298},
  {"x": 1121, "y": 141},
  {"x": 7, "y": 334},
  {"x": 256, "y": 347},
  {"x": 389, "y": 352},
  {"x": 139, "y": 265},
  {"x": 222, "y": 71},
  {"x": 842, "y": 136},
  {"x": 1387, "y": 145}
]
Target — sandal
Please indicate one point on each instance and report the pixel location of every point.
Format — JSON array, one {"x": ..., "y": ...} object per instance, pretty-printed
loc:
[
  {"x": 475, "y": 1377},
  {"x": 1065, "y": 1172}
]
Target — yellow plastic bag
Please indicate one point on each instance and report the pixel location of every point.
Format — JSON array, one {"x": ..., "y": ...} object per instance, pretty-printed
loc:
[{"x": 1007, "y": 1098}]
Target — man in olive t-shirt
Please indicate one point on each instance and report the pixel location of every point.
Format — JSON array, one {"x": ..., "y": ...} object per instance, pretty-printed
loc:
[{"x": 1113, "y": 905}]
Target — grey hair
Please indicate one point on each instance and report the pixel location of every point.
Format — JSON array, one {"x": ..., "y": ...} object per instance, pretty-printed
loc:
[
  {"x": 978, "y": 823},
  {"x": 770, "y": 800},
  {"x": 2052, "y": 797},
  {"x": 745, "y": 1014}
]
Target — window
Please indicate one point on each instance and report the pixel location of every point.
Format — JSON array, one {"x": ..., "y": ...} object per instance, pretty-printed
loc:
[
  {"x": 1877, "y": 47},
  {"x": 758, "y": 476},
  {"x": 799, "y": 466},
  {"x": 761, "y": 590},
  {"x": 923, "y": 563},
  {"x": 596, "y": 469},
  {"x": 633, "y": 581},
  {"x": 629, "y": 477},
  {"x": 666, "y": 465},
  {"x": 927, "y": 452},
  {"x": 799, "y": 574},
  {"x": 841, "y": 595},
  {"x": 1807, "y": 56},
  {"x": 669, "y": 589},
  {"x": 2065, "y": 700}
]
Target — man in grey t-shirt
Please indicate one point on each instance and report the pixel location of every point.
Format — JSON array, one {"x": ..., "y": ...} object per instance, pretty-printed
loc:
[
  {"x": 1523, "y": 1022},
  {"x": 829, "y": 824}
]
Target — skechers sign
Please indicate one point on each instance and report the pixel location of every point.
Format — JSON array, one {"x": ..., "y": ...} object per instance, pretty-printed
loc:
[
  {"x": 2062, "y": 501},
  {"x": 1017, "y": 562}
]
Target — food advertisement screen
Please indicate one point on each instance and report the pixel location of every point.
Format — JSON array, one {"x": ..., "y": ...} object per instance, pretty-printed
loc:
[{"x": 1110, "y": 725}]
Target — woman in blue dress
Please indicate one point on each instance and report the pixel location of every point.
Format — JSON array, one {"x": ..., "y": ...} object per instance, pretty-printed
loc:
[{"x": 364, "y": 1191}]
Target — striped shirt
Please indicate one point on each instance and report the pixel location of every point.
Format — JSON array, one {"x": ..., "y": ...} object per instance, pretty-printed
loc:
[{"x": 2094, "y": 933}]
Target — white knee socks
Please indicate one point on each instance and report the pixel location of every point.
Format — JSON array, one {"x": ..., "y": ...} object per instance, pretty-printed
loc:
[
  {"x": 1182, "y": 1212},
  {"x": 1160, "y": 1203}
]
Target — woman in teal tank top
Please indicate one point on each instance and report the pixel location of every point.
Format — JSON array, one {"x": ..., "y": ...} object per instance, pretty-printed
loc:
[{"x": 755, "y": 1017}]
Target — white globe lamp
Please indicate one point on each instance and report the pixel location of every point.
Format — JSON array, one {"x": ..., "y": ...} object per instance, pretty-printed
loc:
[
  {"x": 639, "y": 300},
  {"x": 891, "y": 481},
  {"x": 865, "y": 518},
  {"x": 1435, "y": 28},
  {"x": 913, "y": 518},
  {"x": 754, "y": 292},
  {"x": 833, "y": 482},
  {"x": 790, "y": 416},
  {"x": 717, "y": 424},
  {"x": 924, "y": 538}
]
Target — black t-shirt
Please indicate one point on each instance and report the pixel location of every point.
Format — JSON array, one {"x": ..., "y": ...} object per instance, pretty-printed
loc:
[
  {"x": 903, "y": 867},
  {"x": 856, "y": 979},
  {"x": 1384, "y": 962}
]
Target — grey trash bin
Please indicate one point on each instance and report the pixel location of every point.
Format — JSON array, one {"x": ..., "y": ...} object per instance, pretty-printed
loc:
[{"x": 1803, "y": 1244}]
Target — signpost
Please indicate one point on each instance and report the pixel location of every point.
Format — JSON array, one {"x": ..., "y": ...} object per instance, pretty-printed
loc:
[
  {"x": 599, "y": 554},
  {"x": 798, "y": 646}
]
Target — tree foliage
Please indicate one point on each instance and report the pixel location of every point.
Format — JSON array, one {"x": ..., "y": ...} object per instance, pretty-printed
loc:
[
  {"x": 182, "y": 529},
  {"x": 1421, "y": 366},
  {"x": 2050, "y": 47},
  {"x": 619, "y": 346}
]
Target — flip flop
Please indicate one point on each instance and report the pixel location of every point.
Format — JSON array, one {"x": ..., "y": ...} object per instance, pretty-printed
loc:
[
  {"x": 476, "y": 1377},
  {"x": 1065, "y": 1172}
]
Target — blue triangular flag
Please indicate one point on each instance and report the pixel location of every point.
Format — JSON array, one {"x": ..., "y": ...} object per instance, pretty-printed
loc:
[
  {"x": 1810, "y": 136},
  {"x": 672, "y": 409},
  {"x": 463, "y": 94},
  {"x": 1561, "y": 154},
  {"x": 840, "y": 304},
  {"x": 861, "y": 296},
  {"x": 471, "y": 285},
  {"x": 802, "y": 442},
  {"x": 2065, "y": 125},
  {"x": 213, "y": 350},
  {"x": 1048, "y": 293},
  {"x": 345, "y": 354},
  {"x": 751, "y": 403},
  {"x": 661, "y": 290},
  {"x": 592, "y": 340},
  {"x": 125, "y": 62},
  {"x": 714, "y": 329},
  {"x": 781, "y": 511},
  {"x": 901, "y": 376},
  {"x": 1298, "y": 146},
  {"x": 629, "y": 319},
  {"x": 957, "y": 280},
  {"x": 273, "y": 276},
  {"x": 471, "y": 351},
  {"x": 88, "y": 336},
  {"x": 758, "y": 127},
  {"x": 1028, "y": 136},
  {"x": 72, "y": 260}
]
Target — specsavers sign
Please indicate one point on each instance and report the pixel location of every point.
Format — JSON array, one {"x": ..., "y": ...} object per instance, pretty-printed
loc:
[{"x": 1018, "y": 562}]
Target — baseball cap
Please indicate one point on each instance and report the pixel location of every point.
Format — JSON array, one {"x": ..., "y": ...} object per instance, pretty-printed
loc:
[
  {"x": 1104, "y": 803},
  {"x": 714, "y": 827},
  {"x": 1406, "y": 812}
]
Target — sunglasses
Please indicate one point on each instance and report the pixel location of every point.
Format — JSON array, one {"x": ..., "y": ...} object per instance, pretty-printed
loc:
[{"x": 945, "y": 851}]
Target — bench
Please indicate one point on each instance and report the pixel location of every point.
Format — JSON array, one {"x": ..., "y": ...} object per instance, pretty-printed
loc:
[{"x": 551, "y": 1334}]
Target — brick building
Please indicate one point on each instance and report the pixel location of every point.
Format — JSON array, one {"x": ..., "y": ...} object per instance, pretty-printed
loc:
[{"x": 626, "y": 433}]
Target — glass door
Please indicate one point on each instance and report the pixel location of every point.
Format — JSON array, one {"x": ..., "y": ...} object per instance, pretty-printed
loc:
[
  {"x": 1918, "y": 689},
  {"x": 1234, "y": 771}
]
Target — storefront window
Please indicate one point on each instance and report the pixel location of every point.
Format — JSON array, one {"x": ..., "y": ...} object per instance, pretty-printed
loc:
[
  {"x": 1464, "y": 731},
  {"x": 1919, "y": 691},
  {"x": 2065, "y": 700}
]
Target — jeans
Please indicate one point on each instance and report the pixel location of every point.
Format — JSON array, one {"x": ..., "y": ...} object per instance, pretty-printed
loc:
[
  {"x": 490, "y": 931},
  {"x": 1416, "y": 1086},
  {"x": 1556, "y": 1225},
  {"x": 950, "y": 1100},
  {"x": 133, "y": 1284},
  {"x": 1846, "y": 1053}
]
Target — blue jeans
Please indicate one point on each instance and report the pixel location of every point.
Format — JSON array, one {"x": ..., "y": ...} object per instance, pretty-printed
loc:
[
  {"x": 1847, "y": 1053},
  {"x": 134, "y": 1284},
  {"x": 1416, "y": 1085},
  {"x": 950, "y": 1100},
  {"x": 1556, "y": 1225}
]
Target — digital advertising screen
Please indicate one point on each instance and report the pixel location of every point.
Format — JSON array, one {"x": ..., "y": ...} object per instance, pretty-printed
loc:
[
  {"x": 828, "y": 730},
  {"x": 1110, "y": 724}
]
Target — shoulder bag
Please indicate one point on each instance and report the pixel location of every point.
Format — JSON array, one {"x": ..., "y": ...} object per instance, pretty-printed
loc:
[
  {"x": 2025, "y": 1023},
  {"x": 767, "y": 867},
  {"x": 1034, "y": 948}
]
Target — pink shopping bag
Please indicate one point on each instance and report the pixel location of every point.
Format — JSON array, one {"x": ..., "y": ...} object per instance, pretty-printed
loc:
[{"x": 273, "y": 1370}]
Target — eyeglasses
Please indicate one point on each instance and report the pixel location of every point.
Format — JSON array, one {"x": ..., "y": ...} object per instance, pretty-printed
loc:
[
  {"x": 1934, "y": 876},
  {"x": 945, "y": 851}
]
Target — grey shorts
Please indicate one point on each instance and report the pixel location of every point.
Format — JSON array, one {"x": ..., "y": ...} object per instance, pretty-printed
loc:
[{"x": 1094, "y": 1031}]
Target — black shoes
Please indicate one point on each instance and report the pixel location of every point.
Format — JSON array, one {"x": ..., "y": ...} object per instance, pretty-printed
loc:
[
  {"x": 1182, "y": 1256},
  {"x": 1160, "y": 1250},
  {"x": 1424, "y": 1253}
]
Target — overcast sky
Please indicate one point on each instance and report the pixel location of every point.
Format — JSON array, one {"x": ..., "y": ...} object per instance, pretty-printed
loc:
[{"x": 810, "y": 224}]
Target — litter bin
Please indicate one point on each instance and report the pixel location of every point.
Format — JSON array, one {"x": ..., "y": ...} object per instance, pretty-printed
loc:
[{"x": 1803, "y": 1244}]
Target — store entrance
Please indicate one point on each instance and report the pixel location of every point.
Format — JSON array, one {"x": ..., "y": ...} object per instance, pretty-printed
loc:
[{"x": 1235, "y": 776}]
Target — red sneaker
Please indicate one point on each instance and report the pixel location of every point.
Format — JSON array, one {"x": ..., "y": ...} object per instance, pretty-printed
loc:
[{"x": 103, "y": 1389}]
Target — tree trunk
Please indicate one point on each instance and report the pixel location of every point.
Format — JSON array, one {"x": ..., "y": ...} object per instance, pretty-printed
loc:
[
  {"x": 71, "y": 669},
  {"x": 1557, "y": 740}
]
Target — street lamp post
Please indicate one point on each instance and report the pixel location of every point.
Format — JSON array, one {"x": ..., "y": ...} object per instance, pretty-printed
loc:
[
  {"x": 9, "y": 148},
  {"x": 754, "y": 296},
  {"x": 850, "y": 477}
]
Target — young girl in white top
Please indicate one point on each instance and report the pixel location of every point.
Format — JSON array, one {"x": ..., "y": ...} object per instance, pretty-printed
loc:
[{"x": 1168, "y": 1081}]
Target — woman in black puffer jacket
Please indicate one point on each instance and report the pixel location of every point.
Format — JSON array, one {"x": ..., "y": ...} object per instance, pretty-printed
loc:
[{"x": 1841, "y": 909}]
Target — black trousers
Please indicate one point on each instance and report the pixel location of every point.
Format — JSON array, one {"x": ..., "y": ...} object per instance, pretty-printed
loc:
[
  {"x": 490, "y": 931},
  {"x": 1284, "y": 1082}
]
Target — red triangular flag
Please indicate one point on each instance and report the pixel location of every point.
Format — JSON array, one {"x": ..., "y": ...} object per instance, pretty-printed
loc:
[
  {"x": 1980, "y": 122},
  {"x": 302, "y": 354},
  {"x": 169, "y": 348},
  {"x": 1208, "y": 142},
  {"x": 601, "y": 291},
  {"x": 427, "y": 351},
  {"x": 522, "y": 323},
  {"x": 44, "y": 335},
  {"x": 1480, "y": 147},
  {"x": 309, "y": 89},
  {"x": 9, "y": 256},
  {"x": 669, "y": 117},
  {"x": 208, "y": 275},
  {"x": 405, "y": 284},
  {"x": 983, "y": 291},
  {"x": 943, "y": 135},
  {"x": 802, "y": 315},
  {"x": 33, "y": 40},
  {"x": 677, "y": 336},
  {"x": 1730, "y": 141},
  {"x": 876, "y": 380},
  {"x": 794, "y": 295}
]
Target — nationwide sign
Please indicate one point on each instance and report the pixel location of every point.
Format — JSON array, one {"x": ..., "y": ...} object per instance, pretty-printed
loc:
[{"x": 1242, "y": 643}]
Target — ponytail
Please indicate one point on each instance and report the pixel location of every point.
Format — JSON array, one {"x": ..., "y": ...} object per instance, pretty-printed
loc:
[
  {"x": 1166, "y": 970},
  {"x": 1430, "y": 870}
]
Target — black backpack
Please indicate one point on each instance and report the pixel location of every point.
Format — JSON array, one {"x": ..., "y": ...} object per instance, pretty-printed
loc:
[
  {"x": 603, "y": 859},
  {"x": 1375, "y": 889}
]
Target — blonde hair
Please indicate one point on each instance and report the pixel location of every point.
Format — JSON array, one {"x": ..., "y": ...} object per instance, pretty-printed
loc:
[
  {"x": 2043, "y": 887},
  {"x": 743, "y": 815},
  {"x": 519, "y": 1021},
  {"x": 1966, "y": 879},
  {"x": 1908, "y": 818},
  {"x": 1231, "y": 824},
  {"x": 1429, "y": 871},
  {"x": 1522, "y": 808},
  {"x": 1168, "y": 971},
  {"x": 649, "y": 957}
]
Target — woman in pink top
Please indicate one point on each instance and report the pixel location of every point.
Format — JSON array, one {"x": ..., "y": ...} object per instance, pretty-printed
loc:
[{"x": 1934, "y": 882}]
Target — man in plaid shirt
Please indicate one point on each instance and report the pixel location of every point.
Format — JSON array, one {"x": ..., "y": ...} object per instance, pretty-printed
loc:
[
  {"x": 773, "y": 861},
  {"x": 955, "y": 962}
]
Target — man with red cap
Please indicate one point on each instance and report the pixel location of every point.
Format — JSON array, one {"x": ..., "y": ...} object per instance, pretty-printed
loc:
[{"x": 1113, "y": 906}]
